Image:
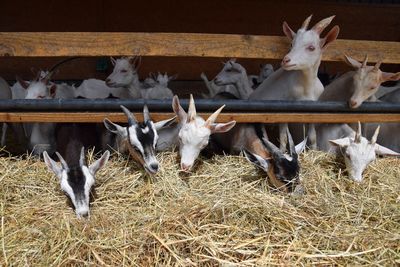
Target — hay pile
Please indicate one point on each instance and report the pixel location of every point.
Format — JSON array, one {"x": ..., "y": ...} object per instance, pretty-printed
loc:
[{"x": 222, "y": 214}]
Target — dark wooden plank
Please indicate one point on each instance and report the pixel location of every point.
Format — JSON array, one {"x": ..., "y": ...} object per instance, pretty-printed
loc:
[
  {"x": 224, "y": 117},
  {"x": 179, "y": 44}
]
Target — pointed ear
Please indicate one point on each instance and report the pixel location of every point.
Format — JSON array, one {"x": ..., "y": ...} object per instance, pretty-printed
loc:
[
  {"x": 115, "y": 128},
  {"x": 288, "y": 31},
  {"x": 384, "y": 151},
  {"x": 388, "y": 76},
  {"x": 256, "y": 160},
  {"x": 52, "y": 165},
  {"x": 330, "y": 36},
  {"x": 301, "y": 146},
  {"x": 22, "y": 82},
  {"x": 352, "y": 62},
  {"x": 98, "y": 164},
  {"x": 342, "y": 142},
  {"x": 179, "y": 111},
  {"x": 222, "y": 127},
  {"x": 113, "y": 61},
  {"x": 165, "y": 123}
]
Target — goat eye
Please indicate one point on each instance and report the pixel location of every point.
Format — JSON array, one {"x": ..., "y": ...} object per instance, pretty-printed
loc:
[
  {"x": 123, "y": 71},
  {"x": 311, "y": 48}
]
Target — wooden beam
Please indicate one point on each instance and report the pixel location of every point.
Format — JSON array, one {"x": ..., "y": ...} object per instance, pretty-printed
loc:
[
  {"x": 57, "y": 44},
  {"x": 93, "y": 117}
]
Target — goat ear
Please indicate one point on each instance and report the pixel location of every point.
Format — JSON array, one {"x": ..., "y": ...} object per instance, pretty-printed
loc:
[
  {"x": 388, "y": 76},
  {"x": 330, "y": 36},
  {"x": 98, "y": 164},
  {"x": 288, "y": 31},
  {"x": 179, "y": 111},
  {"x": 352, "y": 62},
  {"x": 22, "y": 82},
  {"x": 384, "y": 151},
  {"x": 52, "y": 165},
  {"x": 222, "y": 127},
  {"x": 113, "y": 61},
  {"x": 301, "y": 146},
  {"x": 165, "y": 123},
  {"x": 115, "y": 128},
  {"x": 342, "y": 142},
  {"x": 256, "y": 160}
]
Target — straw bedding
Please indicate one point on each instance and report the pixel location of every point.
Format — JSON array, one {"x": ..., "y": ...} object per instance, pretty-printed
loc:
[{"x": 222, "y": 214}]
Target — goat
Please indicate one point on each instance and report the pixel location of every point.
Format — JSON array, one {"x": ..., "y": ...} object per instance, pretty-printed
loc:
[
  {"x": 358, "y": 152},
  {"x": 139, "y": 139},
  {"x": 158, "y": 87},
  {"x": 297, "y": 78},
  {"x": 125, "y": 76},
  {"x": 195, "y": 132},
  {"x": 75, "y": 175},
  {"x": 282, "y": 168},
  {"x": 265, "y": 71}
]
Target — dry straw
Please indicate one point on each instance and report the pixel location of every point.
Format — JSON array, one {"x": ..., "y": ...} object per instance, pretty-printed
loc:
[{"x": 222, "y": 214}]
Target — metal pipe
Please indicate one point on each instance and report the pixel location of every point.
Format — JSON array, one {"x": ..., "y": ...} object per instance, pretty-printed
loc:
[{"x": 48, "y": 105}]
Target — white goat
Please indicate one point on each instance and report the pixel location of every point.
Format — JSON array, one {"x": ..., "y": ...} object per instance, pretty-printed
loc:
[
  {"x": 297, "y": 79},
  {"x": 358, "y": 152},
  {"x": 125, "y": 76},
  {"x": 195, "y": 132},
  {"x": 158, "y": 87}
]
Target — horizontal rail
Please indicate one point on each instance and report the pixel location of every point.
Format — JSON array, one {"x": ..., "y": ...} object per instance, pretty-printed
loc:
[
  {"x": 57, "y": 44},
  {"x": 93, "y": 117},
  {"x": 205, "y": 105}
]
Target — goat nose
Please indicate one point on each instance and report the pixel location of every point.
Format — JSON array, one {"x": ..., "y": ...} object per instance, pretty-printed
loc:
[
  {"x": 285, "y": 60},
  {"x": 352, "y": 103},
  {"x": 84, "y": 214},
  {"x": 154, "y": 166},
  {"x": 185, "y": 167}
]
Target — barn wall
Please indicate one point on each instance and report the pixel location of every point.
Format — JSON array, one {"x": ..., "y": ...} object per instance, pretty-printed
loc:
[{"x": 357, "y": 21}]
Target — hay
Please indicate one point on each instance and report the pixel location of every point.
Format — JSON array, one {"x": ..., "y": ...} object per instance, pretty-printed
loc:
[{"x": 222, "y": 214}]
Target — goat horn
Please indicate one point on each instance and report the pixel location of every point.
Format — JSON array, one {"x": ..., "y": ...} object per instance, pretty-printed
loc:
[
  {"x": 357, "y": 139},
  {"x": 192, "y": 109},
  {"x": 292, "y": 148},
  {"x": 82, "y": 159},
  {"x": 129, "y": 115},
  {"x": 378, "y": 65},
  {"x": 320, "y": 26},
  {"x": 213, "y": 117},
  {"x": 146, "y": 114},
  {"x": 365, "y": 61},
  {"x": 272, "y": 148},
  {"x": 375, "y": 136},
  {"x": 63, "y": 162},
  {"x": 306, "y": 22}
]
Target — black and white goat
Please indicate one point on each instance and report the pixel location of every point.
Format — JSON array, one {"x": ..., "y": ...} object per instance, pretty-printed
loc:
[
  {"x": 139, "y": 139},
  {"x": 76, "y": 176}
]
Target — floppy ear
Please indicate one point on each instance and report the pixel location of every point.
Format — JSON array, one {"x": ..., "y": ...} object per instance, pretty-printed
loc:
[
  {"x": 256, "y": 160},
  {"x": 384, "y": 151},
  {"x": 342, "y": 142},
  {"x": 301, "y": 146},
  {"x": 222, "y": 127},
  {"x": 288, "y": 31},
  {"x": 165, "y": 123},
  {"x": 115, "y": 128},
  {"x": 387, "y": 76},
  {"x": 352, "y": 62},
  {"x": 98, "y": 164},
  {"x": 52, "y": 165},
  {"x": 330, "y": 36}
]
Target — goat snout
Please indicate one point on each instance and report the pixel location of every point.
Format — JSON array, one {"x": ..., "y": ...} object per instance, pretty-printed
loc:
[
  {"x": 353, "y": 103},
  {"x": 185, "y": 167},
  {"x": 286, "y": 60},
  {"x": 154, "y": 167}
]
